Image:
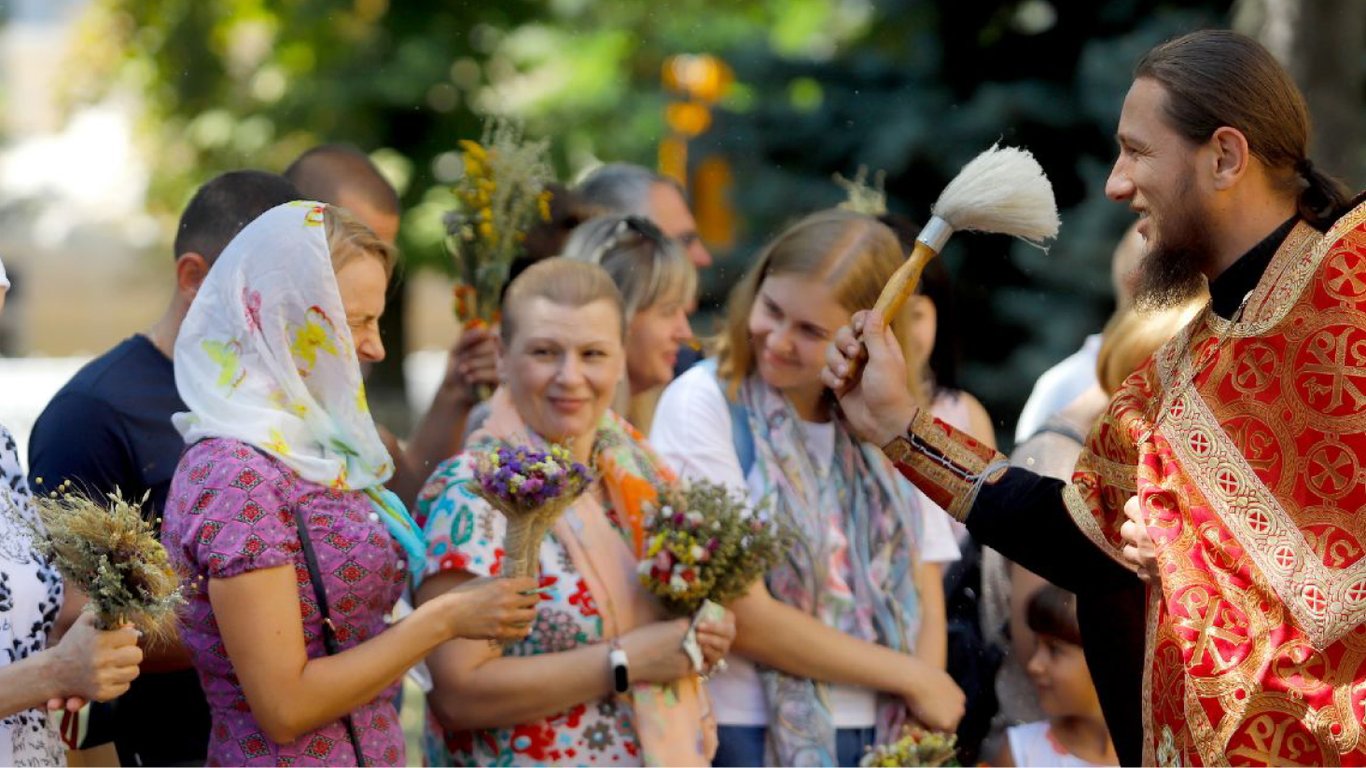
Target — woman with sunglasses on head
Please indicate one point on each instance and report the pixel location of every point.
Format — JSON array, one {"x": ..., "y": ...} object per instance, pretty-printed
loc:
[{"x": 657, "y": 284}]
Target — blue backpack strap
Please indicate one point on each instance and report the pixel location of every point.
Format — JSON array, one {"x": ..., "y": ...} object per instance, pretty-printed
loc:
[{"x": 740, "y": 435}]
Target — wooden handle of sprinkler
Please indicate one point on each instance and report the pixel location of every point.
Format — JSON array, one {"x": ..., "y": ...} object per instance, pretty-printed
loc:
[{"x": 903, "y": 283}]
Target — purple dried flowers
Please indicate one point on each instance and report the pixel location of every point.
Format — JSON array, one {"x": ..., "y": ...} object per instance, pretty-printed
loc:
[{"x": 531, "y": 488}]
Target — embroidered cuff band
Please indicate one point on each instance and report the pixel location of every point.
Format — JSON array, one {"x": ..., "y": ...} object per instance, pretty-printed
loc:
[{"x": 948, "y": 465}]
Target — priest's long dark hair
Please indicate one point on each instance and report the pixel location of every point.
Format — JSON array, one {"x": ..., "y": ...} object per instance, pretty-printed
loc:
[{"x": 1216, "y": 78}]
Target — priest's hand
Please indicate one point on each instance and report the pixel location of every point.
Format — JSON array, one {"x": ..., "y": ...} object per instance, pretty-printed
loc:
[
  {"x": 1140, "y": 553},
  {"x": 877, "y": 403}
]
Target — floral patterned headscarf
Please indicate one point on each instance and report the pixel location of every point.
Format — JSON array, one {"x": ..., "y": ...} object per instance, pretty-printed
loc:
[{"x": 265, "y": 356}]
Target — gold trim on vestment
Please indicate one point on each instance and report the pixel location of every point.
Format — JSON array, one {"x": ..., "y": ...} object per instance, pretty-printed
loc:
[
  {"x": 1086, "y": 521},
  {"x": 1149, "y": 648},
  {"x": 1325, "y": 602}
]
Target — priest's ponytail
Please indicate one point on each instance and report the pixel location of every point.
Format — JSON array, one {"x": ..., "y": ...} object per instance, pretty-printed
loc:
[{"x": 1324, "y": 199}]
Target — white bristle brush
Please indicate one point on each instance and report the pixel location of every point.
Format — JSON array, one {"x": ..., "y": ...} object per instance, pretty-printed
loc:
[{"x": 1003, "y": 191}]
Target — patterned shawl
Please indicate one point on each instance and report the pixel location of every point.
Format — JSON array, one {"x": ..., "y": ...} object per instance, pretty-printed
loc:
[
  {"x": 265, "y": 356},
  {"x": 876, "y": 517}
]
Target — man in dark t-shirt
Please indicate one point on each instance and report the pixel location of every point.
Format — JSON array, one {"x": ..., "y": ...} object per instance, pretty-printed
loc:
[{"x": 109, "y": 428}]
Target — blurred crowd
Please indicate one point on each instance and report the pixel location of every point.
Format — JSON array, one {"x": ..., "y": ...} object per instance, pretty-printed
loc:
[{"x": 345, "y": 602}]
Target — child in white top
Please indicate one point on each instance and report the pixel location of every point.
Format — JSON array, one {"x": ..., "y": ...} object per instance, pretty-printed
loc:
[{"x": 1074, "y": 733}]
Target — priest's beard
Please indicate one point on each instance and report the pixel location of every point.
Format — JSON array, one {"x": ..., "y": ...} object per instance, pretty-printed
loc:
[{"x": 1173, "y": 271}]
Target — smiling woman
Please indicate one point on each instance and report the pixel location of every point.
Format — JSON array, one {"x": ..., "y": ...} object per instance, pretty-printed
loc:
[
  {"x": 600, "y": 647},
  {"x": 658, "y": 285},
  {"x": 277, "y": 506},
  {"x": 847, "y": 631},
  {"x": 562, "y": 367}
]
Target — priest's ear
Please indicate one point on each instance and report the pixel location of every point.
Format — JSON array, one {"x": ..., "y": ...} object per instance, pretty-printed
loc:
[{"x": 1228, "y": 158}]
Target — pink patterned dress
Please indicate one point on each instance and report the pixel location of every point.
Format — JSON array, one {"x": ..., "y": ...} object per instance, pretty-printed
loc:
[{"x": 230, "y": 512}]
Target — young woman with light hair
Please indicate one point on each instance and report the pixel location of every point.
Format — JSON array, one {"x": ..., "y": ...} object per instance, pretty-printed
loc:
[{"x": 846, "y": 634}]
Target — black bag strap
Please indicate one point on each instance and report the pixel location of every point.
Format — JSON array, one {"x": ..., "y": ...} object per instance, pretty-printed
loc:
[{"x": 329, "y": 630}]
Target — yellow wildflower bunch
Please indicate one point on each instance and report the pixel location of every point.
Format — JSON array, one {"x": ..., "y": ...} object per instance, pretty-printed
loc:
[{"x": 502, "y": 194}]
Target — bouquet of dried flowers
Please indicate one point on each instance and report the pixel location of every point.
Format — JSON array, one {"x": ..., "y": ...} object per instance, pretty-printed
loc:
[
  {"x": 109, "y": 552},
  {"x": 916, "y": 746},
  {"x": 703, "y": 545},
  {"x": 502, "y": 194},
  {"x": 532, "y": 489}
]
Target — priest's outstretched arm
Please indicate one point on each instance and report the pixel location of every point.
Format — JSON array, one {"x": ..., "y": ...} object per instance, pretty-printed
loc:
[{"x": 1029, "y": 518}]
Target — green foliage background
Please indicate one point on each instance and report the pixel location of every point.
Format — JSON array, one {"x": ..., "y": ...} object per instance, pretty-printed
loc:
[{"x": 913, "y": 87}]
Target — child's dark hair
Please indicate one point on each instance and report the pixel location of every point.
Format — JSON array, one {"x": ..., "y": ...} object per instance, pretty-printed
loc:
[{"x": 1052, "y": 611}]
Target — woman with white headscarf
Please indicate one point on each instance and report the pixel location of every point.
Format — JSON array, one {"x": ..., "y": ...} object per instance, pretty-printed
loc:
[
  {"x": 278, "y": 509},
  {"x": 34, "y": 609}
]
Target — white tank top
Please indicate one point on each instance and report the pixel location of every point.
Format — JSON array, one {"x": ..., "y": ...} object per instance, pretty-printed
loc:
[{"x": 1033, "y": 744}]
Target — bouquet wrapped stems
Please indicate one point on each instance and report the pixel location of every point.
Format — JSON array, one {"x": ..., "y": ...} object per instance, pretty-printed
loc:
[
  {"x": 525, "y": 532},
  {"x": 519, "y": 559},
  {"x": 709, "y": 610},
  {"x": 531, "y": 488}
]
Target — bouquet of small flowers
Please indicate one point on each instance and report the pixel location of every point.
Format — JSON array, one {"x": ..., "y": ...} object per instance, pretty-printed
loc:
[
  {"x": 532, "y": 489},
  {"x": 109, "y": 552},
  {"x": 703, "y": 545},
  {"x": 502, "y": 194},
  {"x": 916, "y": 746}
]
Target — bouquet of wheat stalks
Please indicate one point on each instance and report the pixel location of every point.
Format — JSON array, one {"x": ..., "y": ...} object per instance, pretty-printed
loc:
[{"x": 110, "y": 552}]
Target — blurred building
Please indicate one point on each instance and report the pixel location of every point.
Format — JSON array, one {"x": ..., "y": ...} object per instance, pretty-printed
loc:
[{"x": 72, "y": 231}]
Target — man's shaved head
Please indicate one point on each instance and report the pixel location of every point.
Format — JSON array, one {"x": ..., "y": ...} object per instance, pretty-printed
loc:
[{"x": 342, "y": 175}]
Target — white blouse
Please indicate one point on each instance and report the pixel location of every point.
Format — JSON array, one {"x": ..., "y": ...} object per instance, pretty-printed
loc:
[
  {"x": 30, "y": 597},
  {"x": 692, "y": 432}
]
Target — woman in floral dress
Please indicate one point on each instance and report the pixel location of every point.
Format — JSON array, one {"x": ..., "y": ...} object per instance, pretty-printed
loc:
[
  {"x": 555, "y": 698},
  {"x": 35, "y": 677}
]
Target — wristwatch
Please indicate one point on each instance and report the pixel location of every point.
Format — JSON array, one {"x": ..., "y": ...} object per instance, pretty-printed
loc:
[{"x": 621, "y": 675}]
